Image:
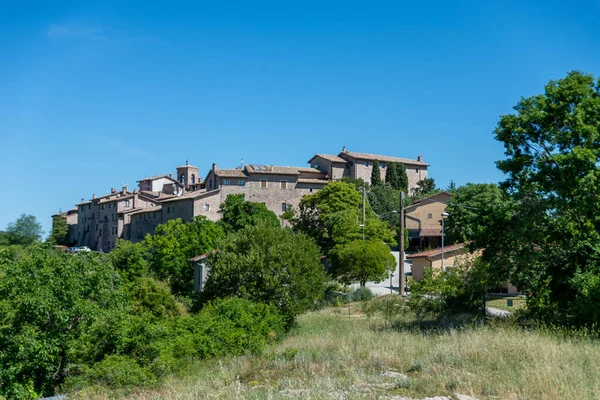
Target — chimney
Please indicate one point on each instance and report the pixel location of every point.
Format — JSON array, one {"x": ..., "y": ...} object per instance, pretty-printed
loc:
[
  {"x": 170, "y": 174},
  {"x": 344, "y": 150},
  {"x": 420, "y": 158},
  {"x": 124, "y": 189},
  {"x": 94, "y": 196},
  {"x": 82, "y": 200},
  {"x": 214, "y": 167},
  {"x": 113, "y": 190}
]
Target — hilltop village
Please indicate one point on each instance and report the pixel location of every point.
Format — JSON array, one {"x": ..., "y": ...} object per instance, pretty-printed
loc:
[{"x": 131, "y": 214}]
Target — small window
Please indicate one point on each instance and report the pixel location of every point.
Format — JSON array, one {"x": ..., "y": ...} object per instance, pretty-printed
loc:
[
  {"x": 193, "y": 178},
  {"x": 429, "y": 216},
  {"x": 284, "y": 184},
  {"x": 100, "y": 234},
  {"x": 263, "y": 183},
  {"x": 168, "y": 210},
  {"x": 207, "y": 207},
  {"x": 366, "y": 163},
  {"x": 284, "y": 207},
  {"x": 126, "y": 203},
  {"x": 310, "y": 190},
  {"x": 240, "y": 182},
  {"x": 417, "y": 169},
  {"x": 315, "y": 166},
  {"x": 382, "y": 165},
  {"x": 226, "y": 181},
  {"x": 106, "y": 218},
  {"x": 179, "y": 208}
]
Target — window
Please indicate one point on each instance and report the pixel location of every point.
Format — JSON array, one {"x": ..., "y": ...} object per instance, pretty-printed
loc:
[
  {"x": 103, "y": 206},
  {"x": 168, "y": 210},
  {"x": 182, "y": 178},
  {"x": 284, "y": 184},
  {"x": 210, "y": 184},
  {"x": 240, "y": 182},
  {"x": 179, "y": 208},
  {"x": 366, "y": 163},
  {"x": 284, "y": 207},
  {"x": 100, "y": 234},
  {"x": 417, "y": 169},
  {"x": 263, "y": 183},
  {"x": 193, "y": 178},
  {"x": 226, "y": 181},
  {"x": 106, "y": 218},
  {"x": 207, "y": 207},
  {"x": 310, "y": 190},
  {"x": 382, "y": 165},
  {"x": 126, "y": 203},
  {"x": 429, "y": 216}
]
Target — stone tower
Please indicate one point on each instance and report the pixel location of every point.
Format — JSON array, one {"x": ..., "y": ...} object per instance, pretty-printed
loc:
[{"x": 187, "y": 174}]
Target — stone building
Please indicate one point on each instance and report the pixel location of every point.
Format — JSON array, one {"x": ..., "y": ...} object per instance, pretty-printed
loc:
[
  {"x": 360, "y": 165},
  {"x": 158, "y": 199}
]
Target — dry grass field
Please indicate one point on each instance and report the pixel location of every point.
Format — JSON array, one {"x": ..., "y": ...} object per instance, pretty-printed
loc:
[{"x": 342, "y": 353}]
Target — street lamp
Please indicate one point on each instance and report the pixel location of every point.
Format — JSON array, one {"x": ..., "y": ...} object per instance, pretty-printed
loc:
[{"x": 444, "y": 215}]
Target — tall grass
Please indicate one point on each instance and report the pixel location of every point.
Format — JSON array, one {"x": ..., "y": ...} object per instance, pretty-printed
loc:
[{"x": 341, "y": 353}]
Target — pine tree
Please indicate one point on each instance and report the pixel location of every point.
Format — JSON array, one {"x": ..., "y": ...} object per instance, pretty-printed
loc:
[
  {"x": 451, "y": 187},
  {"x": 402, "y": 178},
  {"x": 391, "y": 174},
  {"x": 376, "y": 174}
]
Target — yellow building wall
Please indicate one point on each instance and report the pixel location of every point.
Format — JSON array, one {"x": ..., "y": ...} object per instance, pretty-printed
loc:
[{"x": 418, "y": 217}]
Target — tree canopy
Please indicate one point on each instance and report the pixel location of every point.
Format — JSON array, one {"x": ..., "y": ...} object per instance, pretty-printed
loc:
[
  {"x": 547, "y": 239},
  {"x": 269, "y": 265},
  {"x": 396, "y": 177},
  {"x": 470, "y": 211},
  {"x": 425, "y": 187},
  {"x": 25, "y": 231},
  {"x": 236, "y": 213},
  {"x": 60, "y": 230},
  {"x": 368, "y": 260}
]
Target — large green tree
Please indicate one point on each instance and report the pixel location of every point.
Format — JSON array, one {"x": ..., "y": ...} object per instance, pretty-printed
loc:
[
  {"x": 363, "y": 261},
  {"x": 471, "y": 209},
  {"x": 236, "y": 213},
  {"x": 548, "y": 239},
  {"x": 269, "y": 265},
  {"x": 316, "y": 209},
  {"x": 47, "y": 301},
  {"x": 174, "y": 243},
  {"x": 425, "y": 187},
  {"x": 25, "y": 231}
]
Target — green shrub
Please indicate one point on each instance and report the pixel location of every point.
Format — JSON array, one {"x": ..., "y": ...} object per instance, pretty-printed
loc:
[
  {"x": 115, "y": 372},
  {"x": 362, "y": 294}
]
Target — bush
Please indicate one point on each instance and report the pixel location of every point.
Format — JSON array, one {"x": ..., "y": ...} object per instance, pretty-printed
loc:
[
  {"x": 115, "y": 372},
  {"x": 362, "y": 293}
]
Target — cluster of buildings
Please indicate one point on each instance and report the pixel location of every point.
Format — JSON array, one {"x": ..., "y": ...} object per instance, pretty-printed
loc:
[{"x": 131, "y": 214}]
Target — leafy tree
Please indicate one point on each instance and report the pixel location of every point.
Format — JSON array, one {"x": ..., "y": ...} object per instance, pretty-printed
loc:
[
  {"x": 268, "y": 265},
  {"x": 376, "y": 174},
  {"x": 385, "y": 202},
  {"x": 315, "y": 210},
  {"x": 174, "y": 243},
  {"x": 60, "y": 230},
  {"x": 129, "y": 259},
  {"x": 425, "y": 187},
  {"x": 470, "y": 211},
  {"x": 369, "y": 260},
  {"x": 25, "y": 231},
  {"x": 359, "y": 183},
  {"x": 47, "y": 301},
  {"x": 548, "y": 239},
  {"x": 4, "y": 239},
  {"x": 236, "y": 213}
]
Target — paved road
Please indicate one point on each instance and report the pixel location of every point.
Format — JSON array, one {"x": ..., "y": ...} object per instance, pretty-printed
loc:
[{"x": 383, "y": 287}]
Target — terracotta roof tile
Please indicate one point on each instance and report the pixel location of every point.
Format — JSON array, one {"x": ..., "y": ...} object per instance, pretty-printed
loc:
[
  {"x": 431, "y": 232},
  {"x": 373, "y": 157},
  {"x": 309, "y": 180},
  {"x": 435, "y": 252},
  {"x": 272, "y": 169},
  {"x": 231, "y": 173}
]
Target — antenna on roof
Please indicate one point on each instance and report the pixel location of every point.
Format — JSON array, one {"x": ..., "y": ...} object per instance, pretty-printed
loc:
[
  {"x": 242, "y": 162},
  {"x": 187, "y": 160}
]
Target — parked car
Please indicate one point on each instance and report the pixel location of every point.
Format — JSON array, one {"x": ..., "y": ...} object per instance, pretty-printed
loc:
[
  {"x": 72, "y": 250},
  {"x": 83, "y": 249}
]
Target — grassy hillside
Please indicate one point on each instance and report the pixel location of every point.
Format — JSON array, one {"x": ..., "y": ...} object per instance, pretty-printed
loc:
[{"x": 341, "y": 353}]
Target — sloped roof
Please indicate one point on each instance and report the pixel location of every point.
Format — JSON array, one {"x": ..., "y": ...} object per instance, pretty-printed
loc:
[
  {"x": 310, "y": 180},
  {"x": 430, "y": 232},
  {"x": 435, "y": 252},
  {"x": 272, "y": 169},
  {"x": 420, "y": 202},
  {"x": 329, "y": 157},
  {"x": 230, "y": 173},
  {"x": 373, "y": 157}
]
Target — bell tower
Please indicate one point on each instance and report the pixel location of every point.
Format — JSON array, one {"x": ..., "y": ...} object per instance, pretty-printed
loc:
[{"x": 187, "y": 174}]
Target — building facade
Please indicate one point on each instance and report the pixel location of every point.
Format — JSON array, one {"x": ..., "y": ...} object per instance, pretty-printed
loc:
[{"x": 100, "y": 221}]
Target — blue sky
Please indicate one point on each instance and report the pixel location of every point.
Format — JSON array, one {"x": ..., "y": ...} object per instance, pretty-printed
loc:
[{"x": 97, "y": 94}]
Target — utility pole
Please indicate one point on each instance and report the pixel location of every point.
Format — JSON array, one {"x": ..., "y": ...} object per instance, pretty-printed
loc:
[
  {"x": 401, "y": 243},
  {"x": 364, "y": 193}
]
